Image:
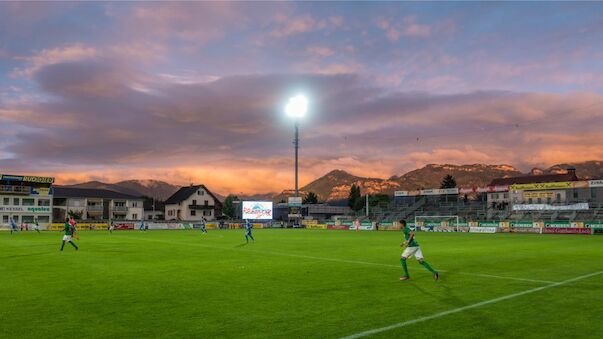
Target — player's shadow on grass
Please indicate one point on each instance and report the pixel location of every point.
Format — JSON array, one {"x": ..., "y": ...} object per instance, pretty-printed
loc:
[{"x": 241, "y": 245}]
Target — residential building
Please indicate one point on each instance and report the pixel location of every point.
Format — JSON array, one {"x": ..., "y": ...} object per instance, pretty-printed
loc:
[
  {"x": 193, "y": 203},
  {"x": 154, "y": 210},
  {"x": 96, "y": 204},
  {"x": 25, "y": 199}
]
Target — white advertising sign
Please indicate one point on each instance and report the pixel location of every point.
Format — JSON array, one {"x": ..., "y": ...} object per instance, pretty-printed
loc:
[
  {"x": 546, "y": 207},
  {"x": 257, "y": 210},
  {"x": 482, "y": 229},
  {"x": 400, "y": 193},
  {"x": 595, "y": 183},
  {"x": 295, "y": 201},
  {"x": 440, "y": 191}
]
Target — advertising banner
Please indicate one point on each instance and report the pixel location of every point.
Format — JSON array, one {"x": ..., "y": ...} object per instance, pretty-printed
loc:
[
  {"x": 526, "y": 230},
  {"x": 542, "y": 186},
  {"x": 546, "y": 207},
  {"x": 400, "y": 193},
  {"x": 526, "y": 224},
  {"x": 27, "y": 178},
  {"x": 560, "y": 223},
  {"x": 593, "y": 224},
  {"x": 577, "y": 224},
  {"x": 482, "y": 229},
  {"x": 537, "y": 195},
  {"x": 440, "y": 191},
  {"x": 595, "y": 183},
  {"x": 317, "y": 226},
  {"x": 257, "y": 210},
  {"x": 597, "y": 231},
  {"x": 338, "y": 227},
  {"x": 42, "y": 191},
  {"x": 28, "y": 209},
  {"x": 566, "y": 230},
  {"x": 489, "y": 224},
  {"x": 295, "y": 201}
]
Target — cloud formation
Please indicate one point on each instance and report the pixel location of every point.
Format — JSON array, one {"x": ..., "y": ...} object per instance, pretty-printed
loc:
[{"x": 195, "y": 92}]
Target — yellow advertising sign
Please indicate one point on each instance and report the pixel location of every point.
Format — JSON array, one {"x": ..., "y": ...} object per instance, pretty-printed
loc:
[
  {"x": 317, "y": 226},
  {"x": 41, "y": 180},
  {"x": 536, "y": 195},
  {"x": 542, "y": 186}
]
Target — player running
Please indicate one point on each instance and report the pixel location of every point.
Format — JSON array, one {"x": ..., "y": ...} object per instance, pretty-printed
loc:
[
  {"x": 202, "y": 226},
  {"x": 248, "y": 227},
  {"x": 73, "y": 225},
  {"x": 36, "y": 225},
  {"x": 13, "y": 225},
  {"x": 142, "y": 226},
  {"x": 68, "y": 234},
  {"x": 111, "y": 226},
  {"x": 411, "y": 247}
]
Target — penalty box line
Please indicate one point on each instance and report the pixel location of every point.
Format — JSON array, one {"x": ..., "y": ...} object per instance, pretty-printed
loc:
[
  {"x": 468, "y": 307},
  {"x": 357, "y": 262}
]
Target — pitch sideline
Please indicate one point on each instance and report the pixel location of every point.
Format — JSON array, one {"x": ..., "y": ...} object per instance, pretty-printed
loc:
[{"x": 468, "y": 307}]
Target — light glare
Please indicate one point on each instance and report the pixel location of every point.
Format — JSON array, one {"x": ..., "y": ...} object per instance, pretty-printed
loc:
[{"x": 297, "y": 106}]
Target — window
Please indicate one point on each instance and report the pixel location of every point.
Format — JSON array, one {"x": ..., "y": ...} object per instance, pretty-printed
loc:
[
  {"x": 206, "y": 202},
  {"x": 506, "y": 195},
  {"x": 43, "y": 219},
  {"x": 5, "y": 219},
  {"x": 207, "y": 213},
  {"x": 134, "y": 203},
  {"x": 119, "y": 204},
  {"x": 193, "y": 213},
  {"x": 7, "y": 201},
  {"x": 593, "y": 193},
  {"x": 575, "y": 194},
  {"x": 530, "y": 201},
  {"x": 200, "y": 192},
  {"x": 135, "y": 216},
  {"x": 540, "y": 200},
  {"x": 548, "y": 200},
  {"x": 16, "y": 201},
  {"x": 194, "y": 202},
  {"x": 28, "y": 202},
  {"x": 28, "y": 219},
  {"x": 43, "y": 202},
  {"x": 558, "y": 197}
]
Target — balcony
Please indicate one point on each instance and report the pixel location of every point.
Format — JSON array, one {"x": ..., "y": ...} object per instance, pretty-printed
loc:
[
  {"x": 201, "y": 207},
  {"x": 94, "y": 208},
  {"x": 9, "y": 189},
  {"x": 123, "y": 209}
]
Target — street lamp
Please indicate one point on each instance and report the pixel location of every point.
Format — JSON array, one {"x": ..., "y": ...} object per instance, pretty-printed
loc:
[{"x": 296, "y": 108}]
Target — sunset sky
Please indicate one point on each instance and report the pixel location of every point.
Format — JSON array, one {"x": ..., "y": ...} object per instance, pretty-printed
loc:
[{"x": 194, "y": 92}]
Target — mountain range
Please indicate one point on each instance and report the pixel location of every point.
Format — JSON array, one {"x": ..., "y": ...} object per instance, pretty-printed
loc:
[{"x": 336, "y": 184}]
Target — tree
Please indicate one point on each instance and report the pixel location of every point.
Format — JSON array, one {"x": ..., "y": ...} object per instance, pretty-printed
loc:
[
  {"x": 228, "y": 208},
  {"x": 311, "y": 198},
  {"x": 448, "y": 182},
  {"x": 77, "y": 215},
  {"x": 354, "y": 197}
]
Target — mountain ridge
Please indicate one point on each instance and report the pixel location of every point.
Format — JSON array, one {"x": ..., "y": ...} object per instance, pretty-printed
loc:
[{"x": 336, "y": 184}]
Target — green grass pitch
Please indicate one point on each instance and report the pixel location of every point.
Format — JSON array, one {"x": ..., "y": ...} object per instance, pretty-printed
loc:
[{"x": 298, "y": 284}]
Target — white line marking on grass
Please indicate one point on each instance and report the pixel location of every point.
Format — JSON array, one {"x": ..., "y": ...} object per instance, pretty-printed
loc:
[
  {"x": 468, "y": 307},
  {"x": 347, "y": 261}
]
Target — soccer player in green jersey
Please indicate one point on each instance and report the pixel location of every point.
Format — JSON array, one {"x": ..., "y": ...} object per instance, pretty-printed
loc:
[
  {"x": 411, "y": 247},
  {"x": 68, "y": 234}
]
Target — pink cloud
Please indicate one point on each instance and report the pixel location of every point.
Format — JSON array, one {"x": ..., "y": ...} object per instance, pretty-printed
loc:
[{"x": 74, "y": 52}]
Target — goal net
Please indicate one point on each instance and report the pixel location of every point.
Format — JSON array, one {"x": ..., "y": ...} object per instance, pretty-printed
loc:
[{"x": 442, "y": 223}]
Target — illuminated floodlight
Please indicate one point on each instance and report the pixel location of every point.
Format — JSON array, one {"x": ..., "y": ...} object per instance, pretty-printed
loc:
[{"x": 297, "y": 106}]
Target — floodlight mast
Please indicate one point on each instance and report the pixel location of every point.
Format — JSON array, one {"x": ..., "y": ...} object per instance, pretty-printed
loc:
[{"x": 296, "y": 108}]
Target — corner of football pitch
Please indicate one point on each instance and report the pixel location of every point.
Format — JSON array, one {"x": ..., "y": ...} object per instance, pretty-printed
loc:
[{"x": 299, "y": 283}]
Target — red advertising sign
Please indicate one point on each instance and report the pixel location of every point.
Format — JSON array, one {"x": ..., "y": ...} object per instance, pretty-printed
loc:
[{"x": 566, "y": 230}]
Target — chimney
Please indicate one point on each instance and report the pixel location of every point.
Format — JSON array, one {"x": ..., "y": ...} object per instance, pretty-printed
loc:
[{"x": 571, "y": 171}]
